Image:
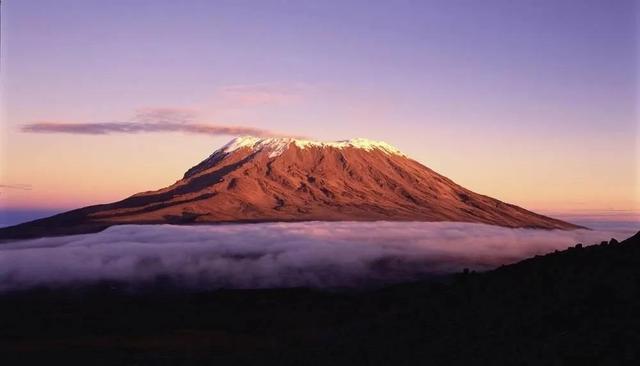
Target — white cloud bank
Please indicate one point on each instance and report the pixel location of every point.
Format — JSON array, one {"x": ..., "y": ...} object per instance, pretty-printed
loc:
[{"x": 319, "y": 254}]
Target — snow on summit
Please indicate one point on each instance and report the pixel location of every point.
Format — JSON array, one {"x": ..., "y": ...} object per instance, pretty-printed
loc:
[{"x": 277, "y": 145}]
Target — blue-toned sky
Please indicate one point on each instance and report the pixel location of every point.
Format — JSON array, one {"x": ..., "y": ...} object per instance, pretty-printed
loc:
[{"x": 532, "y": 102}]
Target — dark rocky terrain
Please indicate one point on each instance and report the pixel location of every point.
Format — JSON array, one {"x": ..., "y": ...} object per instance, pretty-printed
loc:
[
  {"x": 258, "y": 180},
  {"x": 575, "y": 307}
]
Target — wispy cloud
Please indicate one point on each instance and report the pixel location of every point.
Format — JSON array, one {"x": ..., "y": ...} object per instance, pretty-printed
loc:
[
  {"x": 149, "y": 120},
  {"x": 23, "y": 187},
  {"x": 166, "y": 115},
  {"x": 105, "y": 128},
  {"x": 256, "y": 95},
  {"x": 172, "y": 119}
]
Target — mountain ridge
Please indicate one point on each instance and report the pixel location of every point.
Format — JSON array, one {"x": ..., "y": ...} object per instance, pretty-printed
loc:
[{"x": 253, "y": 179}]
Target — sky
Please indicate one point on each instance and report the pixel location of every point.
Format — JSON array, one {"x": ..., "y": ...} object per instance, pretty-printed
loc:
[{"x": 531, "y": 102}]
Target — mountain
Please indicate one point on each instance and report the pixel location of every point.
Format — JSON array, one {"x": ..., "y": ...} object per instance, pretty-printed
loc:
[{"x": 284, "y": 179}]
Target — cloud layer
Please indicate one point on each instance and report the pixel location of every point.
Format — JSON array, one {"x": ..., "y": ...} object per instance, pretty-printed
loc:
[{"x": 318, "y": 254}]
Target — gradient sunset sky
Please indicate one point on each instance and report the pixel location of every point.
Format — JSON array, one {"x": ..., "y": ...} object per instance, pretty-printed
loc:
[{"x": 531, "y": 102}]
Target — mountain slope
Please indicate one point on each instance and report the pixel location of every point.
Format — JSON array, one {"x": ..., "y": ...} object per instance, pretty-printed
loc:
[{"x": 283, "y": 179}]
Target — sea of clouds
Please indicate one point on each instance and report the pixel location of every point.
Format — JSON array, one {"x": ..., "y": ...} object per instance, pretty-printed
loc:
[{"x": 316, "y": 254}]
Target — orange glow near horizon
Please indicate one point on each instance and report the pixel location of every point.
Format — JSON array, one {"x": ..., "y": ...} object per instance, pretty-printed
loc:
[{"x": 67, "y": 173}]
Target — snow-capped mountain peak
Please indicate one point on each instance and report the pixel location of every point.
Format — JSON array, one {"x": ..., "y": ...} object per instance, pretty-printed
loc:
[{"x": 277, "y": 145}]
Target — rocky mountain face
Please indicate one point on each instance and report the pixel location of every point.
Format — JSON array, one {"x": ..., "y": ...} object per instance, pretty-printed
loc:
[{"x": 283, "y": 179}]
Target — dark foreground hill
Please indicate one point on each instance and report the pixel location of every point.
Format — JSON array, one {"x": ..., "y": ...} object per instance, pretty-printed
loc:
[
  {"x": 282, "y": 179},
  {"x": 576, "y": 307}
]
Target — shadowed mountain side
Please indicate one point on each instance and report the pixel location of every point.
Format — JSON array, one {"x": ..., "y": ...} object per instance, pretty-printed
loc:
[
  {"x": 289, "y": 180},
  {"x": 575, "y": 307}
]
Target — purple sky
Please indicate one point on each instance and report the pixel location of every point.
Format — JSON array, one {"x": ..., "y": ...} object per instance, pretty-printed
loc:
[{"x": 533, "y": 102}]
